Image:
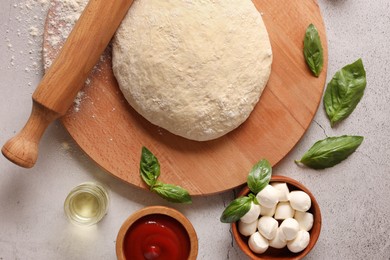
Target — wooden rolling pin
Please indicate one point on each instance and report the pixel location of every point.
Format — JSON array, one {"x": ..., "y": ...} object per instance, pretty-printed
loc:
[{"x": 64, "y": 79}]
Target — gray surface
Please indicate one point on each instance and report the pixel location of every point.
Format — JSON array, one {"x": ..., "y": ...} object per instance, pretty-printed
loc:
[{"x": 354, "y": 196}]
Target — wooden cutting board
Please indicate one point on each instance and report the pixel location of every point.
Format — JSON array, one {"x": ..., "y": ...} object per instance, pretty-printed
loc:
[{"x": 112, "y": 133}]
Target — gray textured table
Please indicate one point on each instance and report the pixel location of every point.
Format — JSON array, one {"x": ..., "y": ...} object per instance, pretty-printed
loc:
[{"x": 354, "y": 196}]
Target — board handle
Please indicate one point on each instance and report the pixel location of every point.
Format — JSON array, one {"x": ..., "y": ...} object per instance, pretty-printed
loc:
[
  {"x": 22, "y": 149},
  {"x": 66, "y": 76}
]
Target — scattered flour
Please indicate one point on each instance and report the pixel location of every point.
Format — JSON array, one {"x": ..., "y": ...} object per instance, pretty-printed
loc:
[
  {"x": 62, "y": 17},
  {"x": 28, "y": 23},
  {"x": 77, "y": 101},
  {"x": 34, "y": 31},
  {"x": 65, "y": 146},
  {"x": 28, "y": 28}
]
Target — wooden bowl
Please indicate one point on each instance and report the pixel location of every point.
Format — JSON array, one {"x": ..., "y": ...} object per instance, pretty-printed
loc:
[
  {"x": 173, "y": 214},
  {"x": 284, "y": 253}
]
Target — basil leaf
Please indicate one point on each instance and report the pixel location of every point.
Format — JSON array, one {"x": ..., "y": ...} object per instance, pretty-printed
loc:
[
  {"x": 312, "y": 50},
  {"x": 330, "y": 151},
  {"x": 253, "y": 198},
  {"x": 236, "y": 209},
  {"x": 344, "y": 91},
  {"x": 259, "y": 176},
  {"x": 149, "y": 167},
  {"x": 172, "y": 193}
]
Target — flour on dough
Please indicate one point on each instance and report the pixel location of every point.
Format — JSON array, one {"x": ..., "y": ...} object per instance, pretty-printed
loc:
[{"x": 195, "y": 68}]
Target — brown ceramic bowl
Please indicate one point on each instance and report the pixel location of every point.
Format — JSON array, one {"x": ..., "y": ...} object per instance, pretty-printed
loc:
[
  {"x": 148, "y": 212},
  {"x": 284, "y": 253}
]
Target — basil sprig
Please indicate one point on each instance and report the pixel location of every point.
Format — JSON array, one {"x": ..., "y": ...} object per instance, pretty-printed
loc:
[
  {"x": 149, "y": 167},
  {"x": 312, "y": 50},
  {"x": 258, "y": 178},
  {"x": 330, "y": 151},
  {"x": 172, "y": 193},
  {"x": 236, "y": 209},
  {"x": 150, "y": 171},
  {"x": 344, "y": 91}
]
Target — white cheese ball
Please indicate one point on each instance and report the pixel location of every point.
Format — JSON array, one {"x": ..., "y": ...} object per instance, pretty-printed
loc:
[
  {"x": 290, "y": 228},
  {"x": 283, "y": 211},
  {"x": 247, "y": 229},
  {"x": 300, "y": 242},
  {"x": 284, "y": 191},
  {"x": 267, "y": 226},
  {"x": 257, "y": 243},
  {"x": 268, "y": 197},
  {"x": 300, "y": 200},
  {"x": 252, "y": 215},
  {"x": 305, "y": 220},
  {"x": 279, "y": 241},
  {"x": 267, "y": 211}
]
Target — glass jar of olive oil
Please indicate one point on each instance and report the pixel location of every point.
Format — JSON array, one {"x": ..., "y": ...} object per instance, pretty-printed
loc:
[{"x": 86, "y": 204}]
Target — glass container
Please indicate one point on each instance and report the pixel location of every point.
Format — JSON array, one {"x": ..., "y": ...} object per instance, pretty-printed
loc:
[{"x": 86, "y": 204}]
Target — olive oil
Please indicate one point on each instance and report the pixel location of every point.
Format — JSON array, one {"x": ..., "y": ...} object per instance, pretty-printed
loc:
[{"x": 86, "y": 204}]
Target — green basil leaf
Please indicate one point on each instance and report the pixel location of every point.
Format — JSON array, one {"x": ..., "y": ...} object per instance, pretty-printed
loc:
[
  {"x": 172, "y": 193},
  {"x": 149, "y": 167},
  {"x": 259, "y": 176},
  {"x": 236, "y": 209},
  {"x": 344, "y": 91},
  {"x": 254, "y": 199},
  {"x": 312, "y": 50},
  {"x": 330, "y": 151}
]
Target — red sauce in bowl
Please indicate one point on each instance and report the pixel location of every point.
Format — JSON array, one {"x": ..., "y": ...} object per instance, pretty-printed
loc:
[{"x": 156, "y": 236}]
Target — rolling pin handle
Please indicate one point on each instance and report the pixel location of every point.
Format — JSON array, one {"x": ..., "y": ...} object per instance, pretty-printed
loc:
[
  {"x": 59, "y": 86},
  {"x": 22, "y": 149}
]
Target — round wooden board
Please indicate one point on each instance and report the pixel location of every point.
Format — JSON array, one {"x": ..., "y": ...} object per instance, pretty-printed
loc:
[{"x": 112, "y": 133}]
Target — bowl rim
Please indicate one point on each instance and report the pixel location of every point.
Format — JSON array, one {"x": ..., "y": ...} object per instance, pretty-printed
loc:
[
  {"x": 314, "y": 232},
  {"x": 163, "y": 210}
]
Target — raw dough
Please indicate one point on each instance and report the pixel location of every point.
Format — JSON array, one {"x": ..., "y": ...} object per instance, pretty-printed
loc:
[{"x": 195, "y": 68}]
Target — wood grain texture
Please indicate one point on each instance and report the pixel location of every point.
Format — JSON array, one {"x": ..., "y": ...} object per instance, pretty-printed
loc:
[{"x": 112, "y": 133}]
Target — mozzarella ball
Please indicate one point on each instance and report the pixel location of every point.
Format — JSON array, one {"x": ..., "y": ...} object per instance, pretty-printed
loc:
[
  {"x": 247, "y": 229},
  {"x": 267, "y": 226},
  {"x": 300, "y": 242},
  {"x": 305, "y": 220},
  {"x": 267, "y": 211},
  {"x": 283, "y": 211},
  {"x": 252, "y": 215},
  {"x": 279, "y": 241},
  {"x": 284, "y": 191},
  {"x": 257, "y": 243},
  {"x": 268, "y": 197},
  {"x": 290, "y": 228},
  {"x": 300, "y": 200}
]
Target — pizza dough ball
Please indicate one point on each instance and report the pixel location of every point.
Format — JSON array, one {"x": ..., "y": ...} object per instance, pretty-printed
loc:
[{"x": 195, "y": 68}]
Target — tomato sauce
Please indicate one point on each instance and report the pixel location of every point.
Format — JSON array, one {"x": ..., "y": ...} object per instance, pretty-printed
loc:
[{"x": 156, "y": 236}]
